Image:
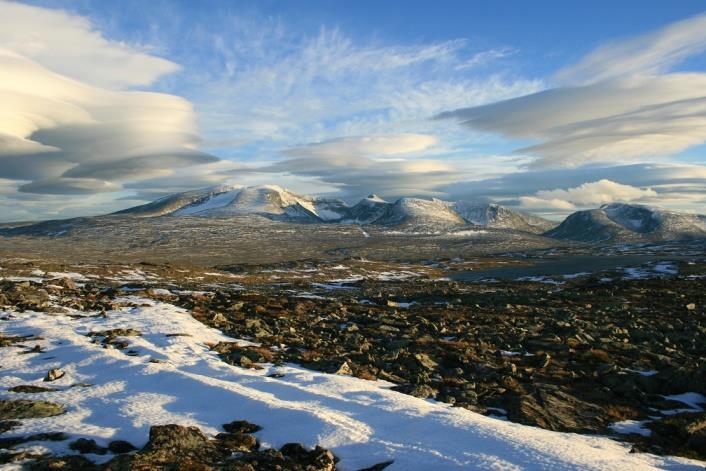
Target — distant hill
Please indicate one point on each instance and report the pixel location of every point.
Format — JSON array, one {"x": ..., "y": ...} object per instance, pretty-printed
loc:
[{"x": 619, "y": 222}]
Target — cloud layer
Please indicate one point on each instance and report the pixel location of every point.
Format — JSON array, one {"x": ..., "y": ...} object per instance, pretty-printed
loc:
[
  {"x": 557, "y": 192},
  {"x": 379, "y": 163},
  {"x": 612, "y": 106},
  {"x": 651, "y": 53},
  {"x": 65, "y": 135},
  {"x": 72, "y": 123},
  {"x": 376, "y": 145},
  {"x": 269, "y": 86}
]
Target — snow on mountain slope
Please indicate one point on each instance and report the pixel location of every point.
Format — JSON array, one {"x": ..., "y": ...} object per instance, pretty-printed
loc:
[
  {"x": 266, "y": 200},
  {"x": 179, "y": 201},
  {"x": 329, "y": 209},
  {"x": 367, "y": 210},
  {"x": 633, "y": 217},
  {"x": 499, "y": 217},
  {"x": 591, "y": 226},
  {"x": 217, "y": 200},
  {"x": 629, "y": 223},
  {"x": 362, "y": 422},
  {"x": 644, "y": 219},
  {"x": 278, "y": 203},
  {"x": 418, "y": 210}
]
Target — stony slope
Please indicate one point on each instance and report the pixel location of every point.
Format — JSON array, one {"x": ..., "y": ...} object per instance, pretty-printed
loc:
[{"x": 143, "y": 362}]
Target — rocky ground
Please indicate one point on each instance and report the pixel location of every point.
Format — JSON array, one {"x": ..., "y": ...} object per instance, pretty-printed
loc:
[
  {"x": 187, "y": 448},
  {"x": 620, "y": 352},
  {"x": 577, "y": 358}
]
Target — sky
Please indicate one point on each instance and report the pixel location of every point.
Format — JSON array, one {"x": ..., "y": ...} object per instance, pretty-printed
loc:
[{"x": 548, "y": 107}]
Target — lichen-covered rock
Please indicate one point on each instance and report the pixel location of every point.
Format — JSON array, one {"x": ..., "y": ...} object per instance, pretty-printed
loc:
[
  {"x": 28, "y": 409},
  {"x": 30, "y": 389},
  {"x": 176, "y": 438}
]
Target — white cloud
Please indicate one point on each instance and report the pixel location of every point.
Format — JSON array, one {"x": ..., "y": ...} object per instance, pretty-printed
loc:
[
  {"x": 612, "y": 107},
  {"x": 18, "y": 206},
  {"x": 624, "y": 120},
  {"x": 363, "y": 164},
  {"x": 69, "y": 186},
  {"x": 484, "y": 57},
  {"x": 361, "y": 102},
  {"x": 590, "y": 194},
  {"x": 70, "y": 45},
  {"x": 651, "y": 53},
  {"x": 374, "y": 145},
  {"x": 65, "y": 135},
  {"x": 513, "y": 184},
  {"x": 532, "y": 202},
  {"x": 274, "y": 87},
  {"x": 71, "y": 124},
  {"x": 675, "y": 186}
]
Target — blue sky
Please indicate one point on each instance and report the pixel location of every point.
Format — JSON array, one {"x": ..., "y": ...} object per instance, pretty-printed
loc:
[
  {"x": 549, "y": 33},
  {"x": 348, "y": 98}
]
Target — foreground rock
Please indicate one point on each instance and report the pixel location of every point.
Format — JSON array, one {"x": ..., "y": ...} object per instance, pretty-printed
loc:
[
  {"x": 28, "y": 409},
  {"x": 683, "y": 434},
  {"x": 176, "y": 447},
  {"x": 572, "y": 359}
]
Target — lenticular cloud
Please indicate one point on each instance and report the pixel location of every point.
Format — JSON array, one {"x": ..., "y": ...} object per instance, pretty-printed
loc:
[
  {"x": 61, "y": 134},
  {"x": 616, "y": 104}
]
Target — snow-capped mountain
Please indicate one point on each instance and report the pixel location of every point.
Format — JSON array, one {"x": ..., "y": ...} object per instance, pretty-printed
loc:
[
  {"x": 500, "y": 217},
  {"x": 265, "y": 200},
  {"x": 278, "y": 203},
  {"x": 617, "y": 222},
  {"x": 621, "y": 222},
  {"x": 420, "y": 211}
]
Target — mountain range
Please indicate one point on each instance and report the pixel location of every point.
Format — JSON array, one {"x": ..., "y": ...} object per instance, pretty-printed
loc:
[
  {"x": 611, "y": 223},
  {"x": 277, "y": 203}
]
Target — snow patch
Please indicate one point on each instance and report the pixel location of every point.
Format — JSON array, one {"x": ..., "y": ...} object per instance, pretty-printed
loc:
[{"x": 627, "y": 427}]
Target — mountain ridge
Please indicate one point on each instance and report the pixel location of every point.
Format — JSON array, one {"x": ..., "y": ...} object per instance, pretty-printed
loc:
[
  {"x": 278, "y": 203},
  {"x": 611, "y": 223}
]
